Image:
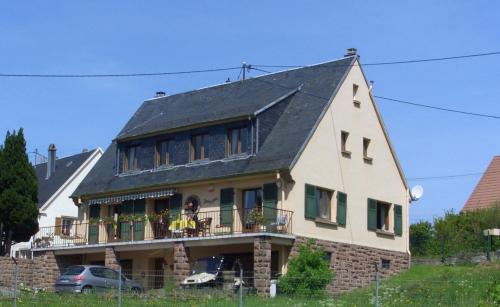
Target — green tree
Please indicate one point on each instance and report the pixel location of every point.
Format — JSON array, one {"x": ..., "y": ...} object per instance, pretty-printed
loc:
[
  {"x": 308, "y": 272},
  {"x": 18, "y": 193},
  {"x": 421, "y": 235}
]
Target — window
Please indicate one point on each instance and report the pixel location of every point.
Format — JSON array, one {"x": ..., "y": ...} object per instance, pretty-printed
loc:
[
  {"x": 343, "y": 138},
  {"x": 355, "y": 99},
  {"x": 199, "y": 147},
  {"x": 237, "y": 139},
  {"x": 319, "y": 205},
  {"x": 164, "y": 153},
  {"x": 324, "y": 203},
  {"x": 327, "y": 256},
  {"x": 66, "y": 226},
  {"x": 252, "y": 199},
  {"x": 130, "y": 161},
  {"x": 366, "y": 145},
  {"x": 386, "y": 264},
  {"x": 383, "y": 216}
]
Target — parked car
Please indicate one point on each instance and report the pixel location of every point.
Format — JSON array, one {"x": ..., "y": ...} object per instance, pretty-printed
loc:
[{"x": 93, "y": 278}]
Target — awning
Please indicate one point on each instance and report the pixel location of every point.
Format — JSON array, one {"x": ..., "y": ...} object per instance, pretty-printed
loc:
[{"x": 132, "y": 196}]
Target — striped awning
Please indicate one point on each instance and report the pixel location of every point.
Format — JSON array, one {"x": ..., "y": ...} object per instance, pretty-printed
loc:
[{"x": 132, "y": 196}]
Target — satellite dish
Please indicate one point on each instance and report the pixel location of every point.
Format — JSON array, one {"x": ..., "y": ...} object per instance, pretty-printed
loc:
[{"x": 416, "y": 192}]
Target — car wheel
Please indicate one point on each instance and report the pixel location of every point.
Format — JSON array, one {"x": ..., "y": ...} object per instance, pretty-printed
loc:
[{"x": 87, "y": 290}]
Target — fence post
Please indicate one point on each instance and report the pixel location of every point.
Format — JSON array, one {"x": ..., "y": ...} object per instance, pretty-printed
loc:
[
  {"x": 377, "y": 279},
  {"x": 15, "y": 281},
  {"x": 241, "y": 286},
  {"x": 119, "y": 286}
]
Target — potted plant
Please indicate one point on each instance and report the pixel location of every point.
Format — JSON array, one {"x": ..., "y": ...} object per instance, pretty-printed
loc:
[{"x": 256, "y": 219}]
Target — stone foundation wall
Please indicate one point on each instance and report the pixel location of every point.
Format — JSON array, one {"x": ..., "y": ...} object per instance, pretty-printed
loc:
[
  {"x": 354, "y": 265},
  {"x": 41, "y": 272}
]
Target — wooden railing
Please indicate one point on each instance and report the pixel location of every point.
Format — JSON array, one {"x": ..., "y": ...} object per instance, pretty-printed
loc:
[{"x": 155, "y": 227}]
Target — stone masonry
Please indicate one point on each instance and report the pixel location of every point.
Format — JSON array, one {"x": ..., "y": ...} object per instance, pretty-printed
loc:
[
  {"x": 111, "y": 259},
  {"x": 262, "y": 265},
  {"x": 354, "y": 265},
  {"x": 181, "y": 263}
]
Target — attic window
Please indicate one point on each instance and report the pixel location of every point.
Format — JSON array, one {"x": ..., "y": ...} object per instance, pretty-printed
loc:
[
  {"x": 130, "y": 160},
  {"x": 164, "y": 153},
  {"x": 355, "y": 98},
  {"x": 366, "y": 145},
  {"x": 199, "y": 147},
  {"x": 237, "y": 141},
  {"x": 343, "y": 138}
]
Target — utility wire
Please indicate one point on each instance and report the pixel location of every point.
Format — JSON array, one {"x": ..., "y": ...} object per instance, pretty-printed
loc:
[
  {"x": 437, "y": 108},
  {"x": 185, "y": 72},
  {"x": 234, "y": 68},
  {"x": 399, "y": 62},
  {"x": 444, "y": 177},
  {"x": 389, "y": 99}
]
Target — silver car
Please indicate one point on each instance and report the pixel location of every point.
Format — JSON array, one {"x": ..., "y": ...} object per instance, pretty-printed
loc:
[{"x": 93, "y": 278}]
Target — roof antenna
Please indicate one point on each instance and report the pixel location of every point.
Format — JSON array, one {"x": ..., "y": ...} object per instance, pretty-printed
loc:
[
  {"x": 228, "y": 80},
  {"x": 245, "y": 68}
]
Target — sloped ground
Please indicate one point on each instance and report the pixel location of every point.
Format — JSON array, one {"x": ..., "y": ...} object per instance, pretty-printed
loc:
[{"x": 422, "y": 285}]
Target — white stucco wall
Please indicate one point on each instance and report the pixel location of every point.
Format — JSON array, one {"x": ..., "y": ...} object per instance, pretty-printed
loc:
[
  {"x": 322, "y": 164},
  {"x": 60, "y": 204}
]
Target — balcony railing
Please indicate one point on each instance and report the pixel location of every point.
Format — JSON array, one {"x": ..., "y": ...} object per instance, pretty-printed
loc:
[{"x": 155, "y": 227}]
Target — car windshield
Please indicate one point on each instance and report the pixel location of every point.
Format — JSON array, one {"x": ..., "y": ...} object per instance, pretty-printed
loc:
[
  {"x": 74, "y": 270},
  {"x": 207, "y": 265}
]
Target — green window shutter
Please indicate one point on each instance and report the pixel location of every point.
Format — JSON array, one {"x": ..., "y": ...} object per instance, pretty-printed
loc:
[
  {"x": 138, "y": 230},
  {"x": 398, "y": 220},
  {"x": 93, "y": 234},
  {"x": 125, "y": 231},
  {"x": 226, "y": 207},
  {"x": 270, "y": 202},
  {"x": 372, "y": 214},
  {"x": 175, "y": 206},
  {"x": 341, "y": 208},
  {"x": 310, "y": 202}
]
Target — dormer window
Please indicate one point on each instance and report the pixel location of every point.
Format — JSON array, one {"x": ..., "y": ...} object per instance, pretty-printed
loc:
[
  {"x": 237, "y": 141},
  {"x": 199, "y": 147},
  {"x": 130, "y": 161},
  {"x": 164, "y": 153}
]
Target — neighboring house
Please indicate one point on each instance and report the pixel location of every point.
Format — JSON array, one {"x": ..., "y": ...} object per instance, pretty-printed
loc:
[
  {"x": 57, "y": 180},
  {"x": 248, "y": 170},
  {"x": 487, "y": 192}
]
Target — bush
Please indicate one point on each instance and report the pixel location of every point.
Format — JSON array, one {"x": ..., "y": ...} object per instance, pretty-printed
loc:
[
  {"x": 308, "y": 272},
  {"x": 454, "y": 234}
]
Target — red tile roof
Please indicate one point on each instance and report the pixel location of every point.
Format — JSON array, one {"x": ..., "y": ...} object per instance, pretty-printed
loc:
[{"x": 487, "y": 191}]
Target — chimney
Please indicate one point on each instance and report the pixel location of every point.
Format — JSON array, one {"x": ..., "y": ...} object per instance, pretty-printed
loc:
[
  {"x": 51, "y": 163},
  {"x": 351, "y": 52},
  {"x": 160, "y": 94}
]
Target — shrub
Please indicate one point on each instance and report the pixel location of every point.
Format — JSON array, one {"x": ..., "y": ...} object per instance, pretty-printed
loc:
[{"x": 308, "y": 272}]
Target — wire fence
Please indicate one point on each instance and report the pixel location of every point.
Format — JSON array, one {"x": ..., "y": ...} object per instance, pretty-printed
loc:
[{"x": 157, "y": 288}]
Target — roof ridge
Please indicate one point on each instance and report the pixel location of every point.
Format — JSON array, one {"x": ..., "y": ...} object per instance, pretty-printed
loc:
[{"x": 239, "y": 81}]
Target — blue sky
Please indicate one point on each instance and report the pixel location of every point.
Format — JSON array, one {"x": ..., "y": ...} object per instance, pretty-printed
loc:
[{"x": 150, "y": 36}]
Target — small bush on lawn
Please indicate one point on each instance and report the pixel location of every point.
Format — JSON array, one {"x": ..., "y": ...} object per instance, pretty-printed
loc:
[{"x": 308, "y": 272}]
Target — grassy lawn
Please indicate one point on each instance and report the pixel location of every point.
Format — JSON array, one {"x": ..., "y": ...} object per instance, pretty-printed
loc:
[{"x": 420, "y": 286}]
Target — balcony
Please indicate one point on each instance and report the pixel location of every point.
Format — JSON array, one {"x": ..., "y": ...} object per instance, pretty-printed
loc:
[{"x": 133, "y": 228}]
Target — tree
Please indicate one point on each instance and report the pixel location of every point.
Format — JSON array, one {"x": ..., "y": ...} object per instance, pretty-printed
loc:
[
  {"x": 420, "y": 238},
  {"x": 308, "y": 272},
  {"x": 18, "y": 193}
]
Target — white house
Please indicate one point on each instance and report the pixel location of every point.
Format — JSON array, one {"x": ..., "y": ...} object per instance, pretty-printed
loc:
[{"x": 57, "y": 180}]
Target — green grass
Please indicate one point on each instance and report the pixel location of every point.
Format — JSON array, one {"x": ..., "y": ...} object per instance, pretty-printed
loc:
[{"x": 420, "y": 286}]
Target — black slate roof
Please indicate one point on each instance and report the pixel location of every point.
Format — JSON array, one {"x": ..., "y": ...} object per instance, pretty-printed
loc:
[
  {"x": 221, "y": 102},
  {"x": 65, "y": 168}
]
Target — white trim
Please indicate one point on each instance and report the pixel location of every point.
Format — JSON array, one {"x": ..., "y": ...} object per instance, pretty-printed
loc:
[{"x": 97, "y": 151}]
